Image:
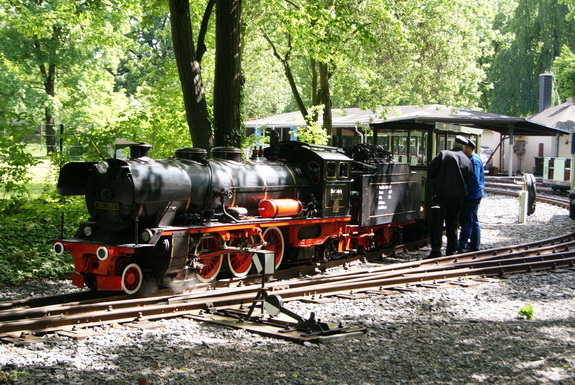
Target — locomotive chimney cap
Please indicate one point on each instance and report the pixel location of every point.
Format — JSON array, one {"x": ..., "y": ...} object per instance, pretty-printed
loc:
[
  {"x": 137, "y": 149},
  {"x": 140, "y": 150},
  {"x": 227, "y": 153},
  {"x": 192, "y": 153}
]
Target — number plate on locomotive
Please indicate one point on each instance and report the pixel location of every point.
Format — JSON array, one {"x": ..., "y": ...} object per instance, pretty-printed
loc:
[{"x": 107, "y": 206}]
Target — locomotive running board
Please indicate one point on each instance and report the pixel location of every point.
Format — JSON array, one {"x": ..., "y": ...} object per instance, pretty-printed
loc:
[{"x": 277, "y": 328}]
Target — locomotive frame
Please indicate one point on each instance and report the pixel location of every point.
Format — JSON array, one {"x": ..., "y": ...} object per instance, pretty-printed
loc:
[{"x": 191, "y": 215}]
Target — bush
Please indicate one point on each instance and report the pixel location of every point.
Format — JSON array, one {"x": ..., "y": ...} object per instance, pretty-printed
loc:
[
  {"x": 15, "y": 161},
  {"x": 27, "y": 230}
]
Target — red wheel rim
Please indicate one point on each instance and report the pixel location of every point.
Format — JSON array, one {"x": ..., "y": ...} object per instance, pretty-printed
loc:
[
  {"x": 211, "y": 265},
  {"x": 275, "y": 242},
  {"x": 131, "y": 278},
  {"x": 239, "y": 264},
  {"x": 210, "y": 269}
]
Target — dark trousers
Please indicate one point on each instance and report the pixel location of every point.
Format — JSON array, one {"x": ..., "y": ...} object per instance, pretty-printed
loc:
[
  {"x": 470, "y": 234},
  {"x": 444, "y": 210}
]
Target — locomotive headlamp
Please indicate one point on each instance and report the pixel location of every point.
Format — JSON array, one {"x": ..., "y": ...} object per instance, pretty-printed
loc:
[
  {"x": 102, "y": 167},
  {"x": 102, "y": 253},
  {"x": 58, "y": 248},
  {"x": 146, "y": 236},
  {"x": 88, "y": 231}
]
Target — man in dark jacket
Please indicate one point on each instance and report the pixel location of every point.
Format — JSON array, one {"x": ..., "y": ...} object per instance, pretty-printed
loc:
[{"x": 450, "y": 171}]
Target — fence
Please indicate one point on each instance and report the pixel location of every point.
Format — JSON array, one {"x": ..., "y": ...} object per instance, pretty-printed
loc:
[{"x": 41, "y": 142}]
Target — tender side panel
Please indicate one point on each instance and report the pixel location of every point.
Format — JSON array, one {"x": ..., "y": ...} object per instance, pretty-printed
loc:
[{"x": 390, "y": 196}]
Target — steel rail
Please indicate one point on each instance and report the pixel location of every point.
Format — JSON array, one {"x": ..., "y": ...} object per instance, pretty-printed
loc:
[
  {"x": 27, "y": 316},
  {"x": 163, "y": 307}
]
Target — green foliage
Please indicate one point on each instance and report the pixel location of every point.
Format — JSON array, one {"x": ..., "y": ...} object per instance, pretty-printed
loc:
[
  {"x": 527, "y": 312},
  {"x": 384, "y": 52},
  {"x": 15, "y": 161},
  {"x": 27, "y": 229},
  {"x": 61, "y": 55},
  {"x": 267, "y": 91},
  {"x": 571, "y": 5},
  {"x": 564, "y": 68},
  {"x": 11, "y": 377},
  {"x": 313, "y": 132},
  {"x": 252, "y": 141},
  {"x": 535, "y": 31}
]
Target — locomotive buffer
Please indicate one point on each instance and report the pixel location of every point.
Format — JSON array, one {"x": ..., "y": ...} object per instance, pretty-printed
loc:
[{"x": 302, "y": 330}]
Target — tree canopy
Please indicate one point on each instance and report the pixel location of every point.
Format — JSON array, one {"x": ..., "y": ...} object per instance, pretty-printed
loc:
[
  {"x": 536, "y": 31},
  {"x": 111, "y": 68}
]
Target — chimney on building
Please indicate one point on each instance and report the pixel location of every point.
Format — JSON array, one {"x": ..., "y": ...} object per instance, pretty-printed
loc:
[{"x": 545, "y": 90}]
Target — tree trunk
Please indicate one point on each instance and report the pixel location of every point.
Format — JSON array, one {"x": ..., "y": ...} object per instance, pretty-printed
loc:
[
  {"x": 228, "y": 78},
  {"x": 49, "y": 120},
  {"x": 190, "y": 73},
  {"x": 325, "y": 97},
  {"x": 316, "y": 99}
]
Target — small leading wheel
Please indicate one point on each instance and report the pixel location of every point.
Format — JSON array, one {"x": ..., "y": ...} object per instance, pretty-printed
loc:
[
  {"x": 274, "y": 242},
  {"x": 132, "y": 278},
  {"x": 210, "y": 265}
]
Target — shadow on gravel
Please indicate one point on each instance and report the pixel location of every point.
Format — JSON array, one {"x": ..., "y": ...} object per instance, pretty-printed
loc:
[
  {"x": 417, "y": 352},
  {"x": 446, "y": 336}
]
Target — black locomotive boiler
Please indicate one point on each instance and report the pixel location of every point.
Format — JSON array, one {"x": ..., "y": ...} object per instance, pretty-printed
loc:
[{"x": 192, "y": 215}]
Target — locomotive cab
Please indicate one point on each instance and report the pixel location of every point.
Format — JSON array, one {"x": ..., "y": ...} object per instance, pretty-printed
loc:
[{"x": 329, "y": 173}]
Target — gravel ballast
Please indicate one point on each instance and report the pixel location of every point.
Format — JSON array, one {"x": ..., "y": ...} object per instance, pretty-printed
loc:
[{"x": 455, "y": 335}]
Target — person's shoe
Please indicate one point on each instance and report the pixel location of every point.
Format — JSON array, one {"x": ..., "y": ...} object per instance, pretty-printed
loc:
[{"x": 433, "y": 255}]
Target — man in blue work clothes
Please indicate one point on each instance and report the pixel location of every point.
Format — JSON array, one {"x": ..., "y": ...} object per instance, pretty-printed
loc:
[
  {"x": 470, "y": 234},
  {"x": 450, "y": 171}
]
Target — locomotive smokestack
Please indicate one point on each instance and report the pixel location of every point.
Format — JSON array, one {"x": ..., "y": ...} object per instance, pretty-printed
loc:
[{"x": 140, "y": 150}]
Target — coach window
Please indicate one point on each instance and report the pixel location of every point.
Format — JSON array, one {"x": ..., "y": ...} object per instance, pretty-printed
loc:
[
  {"x": 400, "y": 145},
  {"x": 418, "y": 148}
]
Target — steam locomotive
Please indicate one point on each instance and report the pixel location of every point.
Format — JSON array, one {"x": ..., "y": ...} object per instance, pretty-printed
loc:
[{"x": 196, "y": 216}]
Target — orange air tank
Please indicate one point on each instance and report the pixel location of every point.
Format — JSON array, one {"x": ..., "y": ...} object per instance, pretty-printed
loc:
[{"x": 273, "y": 208}]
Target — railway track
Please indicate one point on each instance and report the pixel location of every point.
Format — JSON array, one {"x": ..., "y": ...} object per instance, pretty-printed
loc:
[
  {"x": 512, "y": 186},
  {"x": 74, "y": 314}
]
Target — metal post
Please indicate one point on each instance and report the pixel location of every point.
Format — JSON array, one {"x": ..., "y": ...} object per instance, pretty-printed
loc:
[
  {"x": 61, "y": 139},
  {"x": 510, "y": 170}
]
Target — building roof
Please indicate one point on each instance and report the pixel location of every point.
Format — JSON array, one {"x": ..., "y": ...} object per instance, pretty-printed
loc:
[
  {"x": 561, "y": 116},
  {"x": 405, "y": 116},
  {"x": 344, "y": 117},
  {"x": 436, "y": 113}
]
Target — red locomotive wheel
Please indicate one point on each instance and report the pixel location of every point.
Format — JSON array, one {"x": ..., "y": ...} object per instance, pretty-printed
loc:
[
  {"x": 275, "y": 242},
  {"x": 239, "y": 264},
  {"x": 211, "y": 266},
  {"x": 131, "y": 278}
]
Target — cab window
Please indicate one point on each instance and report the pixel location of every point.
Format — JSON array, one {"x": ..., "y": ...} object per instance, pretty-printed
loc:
[
  {"x": 331, "y": 169},
  {"x": 343, "y": 170}
]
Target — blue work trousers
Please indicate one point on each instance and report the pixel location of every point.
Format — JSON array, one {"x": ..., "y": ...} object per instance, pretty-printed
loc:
[{"x": 470, "y": 234}]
